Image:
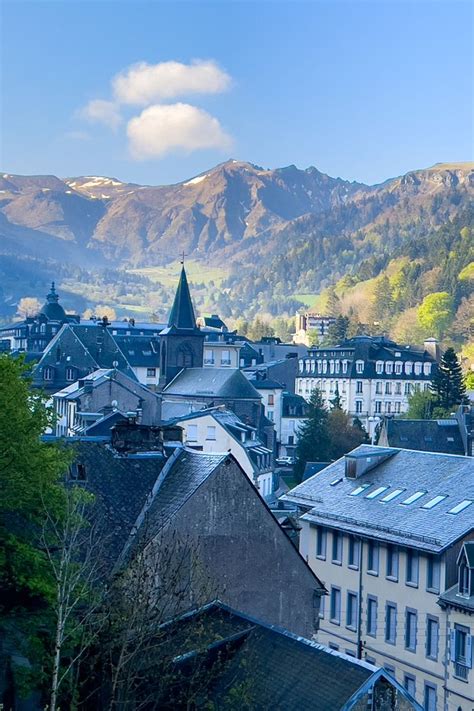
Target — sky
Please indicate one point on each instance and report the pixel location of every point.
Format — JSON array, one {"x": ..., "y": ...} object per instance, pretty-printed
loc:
[{"x": 157, "y": 92}]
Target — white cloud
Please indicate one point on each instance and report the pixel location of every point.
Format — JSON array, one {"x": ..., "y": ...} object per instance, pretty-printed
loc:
[
  {"x": 101, "y": 111},
  {"x": 143, "y": 83},
  {"x": 163, "y": 128}
]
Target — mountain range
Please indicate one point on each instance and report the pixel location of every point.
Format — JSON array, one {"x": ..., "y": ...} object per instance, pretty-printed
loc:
[{"x": 236, "y": 215}]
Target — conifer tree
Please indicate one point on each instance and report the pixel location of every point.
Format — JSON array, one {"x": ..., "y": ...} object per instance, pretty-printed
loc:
[
  {"x": 448, "y": 384},
  {"x": 336, "y": 400},
  {"x": 313, "y": 441}
]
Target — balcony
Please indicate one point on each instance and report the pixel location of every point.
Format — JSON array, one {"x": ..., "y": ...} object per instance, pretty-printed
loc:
[{"x": 209, "y": 361}]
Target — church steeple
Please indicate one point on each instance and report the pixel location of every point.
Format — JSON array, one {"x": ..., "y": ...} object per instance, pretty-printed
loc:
[{"x": 182, "y": 312}]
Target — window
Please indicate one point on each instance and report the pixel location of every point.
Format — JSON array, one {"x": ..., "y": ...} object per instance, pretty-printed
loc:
[
  {"x": 461, "y": 650},
  {"x": 409, "y": 682},
  {"x": 379, "y": 367},
  {"x": 344, "y": 366},
  {"x": 301, "y": 366},
  {"x": 211, "y": 432},
  {"x": 388, "y": 407},
  {"x": 70, "y": 374},
  {"x": 432, "y": 637},
  {"x": 225, "y": 358},
  {"x": 335, "y": 606},
  {"x": 359, "y": 366},
  {"x": 376, "y": 492},
  {"x": 389, "y": 368},
  {"x": 351, "y": 616},
  {"x": 322, "y": 600},
  {"x": 373, "y": 558},
  {"x": 433, "y": 574},
  {"x": 48, "y": 374},
  {"x": 270, "y": 415},
  {"x": 407, "y": 389},
  {"x": 208, "y": 357},
  {"x": 390, "y": 623},
  {"x": 337, "y": 547},
  {"x": 433, "y": 502},
  {"x": 151, "y": 372},
  {"x": 398, "y": 368},
  {"x": 334, "y": 647},
  {"x": 408, "y": 367},
  {"x": 378, "y": 407},
  {"x": 410, "y": 630},
  {"x": 321, "y": 542},
  {"x": 358, "y": 406},
  {"x": 359, "y": 386},
  {"x": 392, "y": 562},
  {"x": 192, "y": 433},
  {"x": 388, "y": 388},
  {"x": 414, "y": 497},
  {"x": 271, "y": 399},
  {"x": 412, "y": 567},
  {"x": 354, "y": 552},
  {"x": 460, "y": 507},
  {"x": 463, "y": 579},
  {"x": 392, "y": 495},
  {"x": 360, "y": 488},
  {"x": 372, "y": 616},
  {"x": 378, "y": 388},
  {"x": 430, "y": 697},
  {"x": 397, "y": 407},
  {"x": 398, "y": 388}
]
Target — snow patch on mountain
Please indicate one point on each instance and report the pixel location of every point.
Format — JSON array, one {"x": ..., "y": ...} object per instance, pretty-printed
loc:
[{"x": 195, "y": 181}]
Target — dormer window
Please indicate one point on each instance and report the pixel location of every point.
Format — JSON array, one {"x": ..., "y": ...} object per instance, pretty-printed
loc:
[
  {"x": 464, "y": 574},
  {"x": 48, "y": 374},
  {"x": 465, "y": 563},
  {"x": 418, "y": 368},
  {"x": 426, "y": 368},
  {"x": 408, "y": 367},
  {"x": 359, "y": 366},
  {"x": 301, "y": 365},
  {"x": 379, "y": 367}
]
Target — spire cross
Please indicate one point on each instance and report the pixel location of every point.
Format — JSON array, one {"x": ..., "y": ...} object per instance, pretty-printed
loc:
[{"x": 182, "y": 257}]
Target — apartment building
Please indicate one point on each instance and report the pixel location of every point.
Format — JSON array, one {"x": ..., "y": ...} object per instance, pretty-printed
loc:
[
  {"x": 388, "y": 531},
  {"x": 374, "y": 376}
]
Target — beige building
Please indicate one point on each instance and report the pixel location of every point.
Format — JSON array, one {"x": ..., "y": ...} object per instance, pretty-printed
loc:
[{"x": 383, "y": 529}]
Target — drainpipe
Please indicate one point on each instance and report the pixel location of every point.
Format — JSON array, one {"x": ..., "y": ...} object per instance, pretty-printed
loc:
[
  {"x": 359, "y": 611},
  {"x": 447, "y": 652}
]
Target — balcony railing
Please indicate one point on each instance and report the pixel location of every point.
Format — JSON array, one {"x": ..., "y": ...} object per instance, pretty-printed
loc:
[{"x": 461, "y": 671}]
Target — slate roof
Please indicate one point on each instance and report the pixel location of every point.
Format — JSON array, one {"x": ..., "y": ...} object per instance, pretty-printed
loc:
[
  {"x": 280, "y": 670},
  {"x": 451, "y": 598},
  {"x": 52, "y": 309},
  {"x": 140, "y": 351},
  {"x": 182, "y": 475},
  {"x": 265, "y": 383},
  {"x": 312, "y": 468},
  {"x": 212, "y": 382},
  {"x": 327, "y": 497},
  {"x": 293, "y": 405},
  {"x": 371, "y": 349},
  {"x": 427, "y": 435}
]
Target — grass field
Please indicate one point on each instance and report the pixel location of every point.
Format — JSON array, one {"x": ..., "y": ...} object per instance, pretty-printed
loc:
[
  {"x": 312, "y": 301},
  {"x": 197, "y": 272}
]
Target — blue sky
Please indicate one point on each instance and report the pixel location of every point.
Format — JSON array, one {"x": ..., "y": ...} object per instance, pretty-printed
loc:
[{"x": 362, "y": 90}]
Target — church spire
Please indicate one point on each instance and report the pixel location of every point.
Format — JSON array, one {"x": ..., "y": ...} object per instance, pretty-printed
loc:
[{"x": 182, "y": 312}]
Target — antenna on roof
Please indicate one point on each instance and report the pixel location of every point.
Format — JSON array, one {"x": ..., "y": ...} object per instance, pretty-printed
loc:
[{"x": 182, "y": 258}]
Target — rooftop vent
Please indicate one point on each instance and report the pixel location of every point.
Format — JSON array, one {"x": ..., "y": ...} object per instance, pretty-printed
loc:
[{"x": 359, "y": 463}]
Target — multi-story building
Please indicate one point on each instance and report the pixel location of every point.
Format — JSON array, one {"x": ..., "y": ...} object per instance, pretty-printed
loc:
[
  {"x": 374, "y": 376},
  {"x": 386, "y": 531},
  {"x": 311, "y": 321}
]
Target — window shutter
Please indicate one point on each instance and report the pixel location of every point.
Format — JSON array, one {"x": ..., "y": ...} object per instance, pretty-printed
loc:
[
  {"x": 469, "y": 651},
  {"x": 453, "y": 645}
]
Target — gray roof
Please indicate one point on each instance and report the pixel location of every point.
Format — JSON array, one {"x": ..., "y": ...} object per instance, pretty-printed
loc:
[
  {"x": 182, "y": 475},
  {"x": 426, "y": 435},
  {"x": 212, "y": 382},
  {"x": 452, "y": 598},
  {"x": 140, "y": 351},
  {"x": 327, "y": 497}
]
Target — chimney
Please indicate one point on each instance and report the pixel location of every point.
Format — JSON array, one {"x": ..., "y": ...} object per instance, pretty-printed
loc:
[
  {"x": 88, "y": 386},
  {"x": 431, "y": 346}
]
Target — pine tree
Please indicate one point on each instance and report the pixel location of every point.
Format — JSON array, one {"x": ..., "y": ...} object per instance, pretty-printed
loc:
[
  {"x": 337, "y": 331},
  {"x": 333, "y": 305},
  {"x": 448, "y": 384},
  {"x": 313, "y": 441},
  {"x": 336, "y": 401}
]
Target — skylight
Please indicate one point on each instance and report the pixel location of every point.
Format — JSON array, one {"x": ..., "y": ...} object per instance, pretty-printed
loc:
[
  {"x": 392, "y": 495},
  {"x": 336, "y": 481},
  {"x": 461, "y": 506},
  {"x": 376, "y": 492},
  {"x": 359, "y": 489},
  {"x": 433, "y": 502},
  {"x": 414, "y": 497}
]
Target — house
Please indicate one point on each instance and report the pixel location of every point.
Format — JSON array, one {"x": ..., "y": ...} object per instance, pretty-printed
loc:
[
  {"x": 383, "y": 528},
  {"x": 76, "y": 351},
  {"x": 102, "y": 392},
  {"x": 426, "y": 435},
  {"x": 244, "y": 662},
  {"x": 374, "y": 375},
  {"x": 458, "y": 604},
  {"x": 197, "y": 388},
  {"x": 35, "y": 332},
  {"x": 221, "y": 351},
  {"x": 307, "y": 322},
  {"x": 219, "y": 430},
  {"x": 283, "y": 370},
  {"x": 208, "y": 502},
  {"x": 211, "y": 322},
  {"x": 142, "y": 353},
  {"x": 271, "y": 392},
  {"x": 294, "y": 413},
  {"x": 271, "y": 348}
]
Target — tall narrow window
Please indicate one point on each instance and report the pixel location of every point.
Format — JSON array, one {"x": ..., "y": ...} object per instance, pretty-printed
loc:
[
  {"x": 373, "y": 558},
  {"x": 391, "y": 623},
  {"x": 392, "y": 562},
  {"x": 337, "y": 547},
  {"x": 351, "y": 617},
  {"x": 335, "y": 614},
  {"x": 372, "y": 616},
  {"x": 321, "y": 542},
  {"x": 410, "y": 630},
  {"x": 432, "y": 636},
  {"x": 412, "y": 567},
  {"x": 433, "y": 574},
  {"x": 354, "y": 552}
]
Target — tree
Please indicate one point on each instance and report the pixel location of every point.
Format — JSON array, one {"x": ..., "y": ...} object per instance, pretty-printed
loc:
[
  {"x": 313, "y": 445},
  {"x": 337, "y": 332},
  {"x": 333, "y": 304},
  {"x": 336, "y": 401},
  {"x": 421, "y": 404},
  {"x": 383, "y": 304},
  {"x": 28, "y": 306},
  {"x": 435, "y": 313},
  {"x": 344, "y": 435},
  {"x": 448, "y": 385}
]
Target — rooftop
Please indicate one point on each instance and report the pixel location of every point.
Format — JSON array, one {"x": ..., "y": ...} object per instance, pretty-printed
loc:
[
  {"x": 421, "y": 499},
  {"x": 212, "y": 382}
]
